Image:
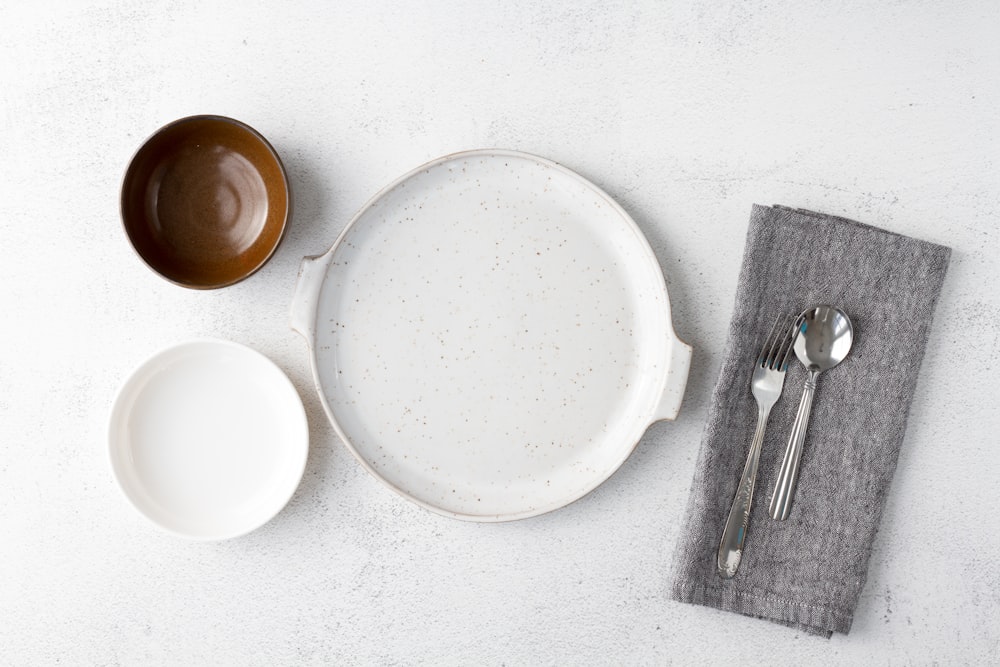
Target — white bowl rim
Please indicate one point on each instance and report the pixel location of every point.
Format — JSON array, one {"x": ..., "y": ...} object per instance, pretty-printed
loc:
[{"x": 299, "y": 416}]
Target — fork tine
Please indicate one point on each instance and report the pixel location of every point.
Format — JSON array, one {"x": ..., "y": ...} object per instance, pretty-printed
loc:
[
  {"x": 793, "y": 333},
  {"x": 781, "y": 345},
  {"x": 774, "y": 341},
  {"x": 762, "y": 358}
]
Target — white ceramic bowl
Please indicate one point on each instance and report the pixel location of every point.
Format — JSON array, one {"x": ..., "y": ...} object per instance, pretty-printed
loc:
[{"x": 208, "y": 439}]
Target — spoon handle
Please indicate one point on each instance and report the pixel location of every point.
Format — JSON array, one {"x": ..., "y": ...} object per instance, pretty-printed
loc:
[
  {"x": 731, "y": 545},
  {"x": 784, "y": 488}
]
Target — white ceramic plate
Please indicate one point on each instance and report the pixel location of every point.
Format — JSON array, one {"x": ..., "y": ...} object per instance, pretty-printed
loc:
[
  {"x": 208, "y": 439},
  {"x": 491, "y": 335}
]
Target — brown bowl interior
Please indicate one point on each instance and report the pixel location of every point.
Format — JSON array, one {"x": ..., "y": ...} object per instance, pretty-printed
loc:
[{"x": 205, "y": 201}]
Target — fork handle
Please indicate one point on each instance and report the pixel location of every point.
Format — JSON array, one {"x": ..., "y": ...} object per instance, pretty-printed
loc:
[
  {"x": 784, "y": 488},
  {"x": 731, "y": 546}
]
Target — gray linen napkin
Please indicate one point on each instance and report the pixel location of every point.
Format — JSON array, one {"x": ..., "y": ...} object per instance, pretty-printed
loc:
[{"x": 808, "y": 571}]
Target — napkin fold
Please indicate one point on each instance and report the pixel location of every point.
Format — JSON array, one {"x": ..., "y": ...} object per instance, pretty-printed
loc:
[{"x": 808, "y": 571}]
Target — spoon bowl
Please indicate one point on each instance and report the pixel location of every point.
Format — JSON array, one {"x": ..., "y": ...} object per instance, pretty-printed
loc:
[{"x": 825, "y": 338}]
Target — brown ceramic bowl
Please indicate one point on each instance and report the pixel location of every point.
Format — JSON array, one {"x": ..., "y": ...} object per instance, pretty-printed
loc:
[{"x": 205, "y": 201}]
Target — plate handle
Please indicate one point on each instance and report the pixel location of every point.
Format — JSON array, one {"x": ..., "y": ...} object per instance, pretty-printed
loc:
[
  {"x": 679, "y": 355},
  {"x": 307, "y": 289}
]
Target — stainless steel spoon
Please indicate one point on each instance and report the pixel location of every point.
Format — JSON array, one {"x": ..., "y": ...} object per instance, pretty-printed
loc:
[{"x": 825, "y": 339}]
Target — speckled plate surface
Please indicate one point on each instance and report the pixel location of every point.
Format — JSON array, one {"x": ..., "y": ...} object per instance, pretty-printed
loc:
[{"x": 491, "y": 335}]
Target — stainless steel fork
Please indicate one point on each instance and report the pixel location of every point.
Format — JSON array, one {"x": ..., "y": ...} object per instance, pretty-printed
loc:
[{"x": 766, "y": 383}]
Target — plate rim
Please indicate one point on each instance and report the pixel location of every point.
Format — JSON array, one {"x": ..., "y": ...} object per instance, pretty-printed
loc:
[{"x": 660, "y": 287}]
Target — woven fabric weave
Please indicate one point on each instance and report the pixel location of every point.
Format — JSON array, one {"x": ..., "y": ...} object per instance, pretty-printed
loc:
[{"x": 809, "y": 570}]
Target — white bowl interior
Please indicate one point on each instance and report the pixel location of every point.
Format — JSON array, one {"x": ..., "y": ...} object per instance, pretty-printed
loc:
[{"x": 208, "y": 439}]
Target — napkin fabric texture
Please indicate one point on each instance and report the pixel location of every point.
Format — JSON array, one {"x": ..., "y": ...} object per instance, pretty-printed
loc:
[{"x": 808, "y": 571}]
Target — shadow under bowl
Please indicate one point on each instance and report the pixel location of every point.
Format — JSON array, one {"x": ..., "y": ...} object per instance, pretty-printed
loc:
[{"x": 205, "y": 201}]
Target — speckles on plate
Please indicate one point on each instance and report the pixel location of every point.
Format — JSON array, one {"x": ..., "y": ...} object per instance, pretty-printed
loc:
[{"x": 501, "y": 329}]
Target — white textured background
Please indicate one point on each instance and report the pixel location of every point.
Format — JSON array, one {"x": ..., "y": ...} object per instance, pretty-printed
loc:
[{"x": 686, "y": 114}]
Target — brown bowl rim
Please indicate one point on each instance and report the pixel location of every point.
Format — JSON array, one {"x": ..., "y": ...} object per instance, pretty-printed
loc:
[{"x": 284, "y": 182}]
